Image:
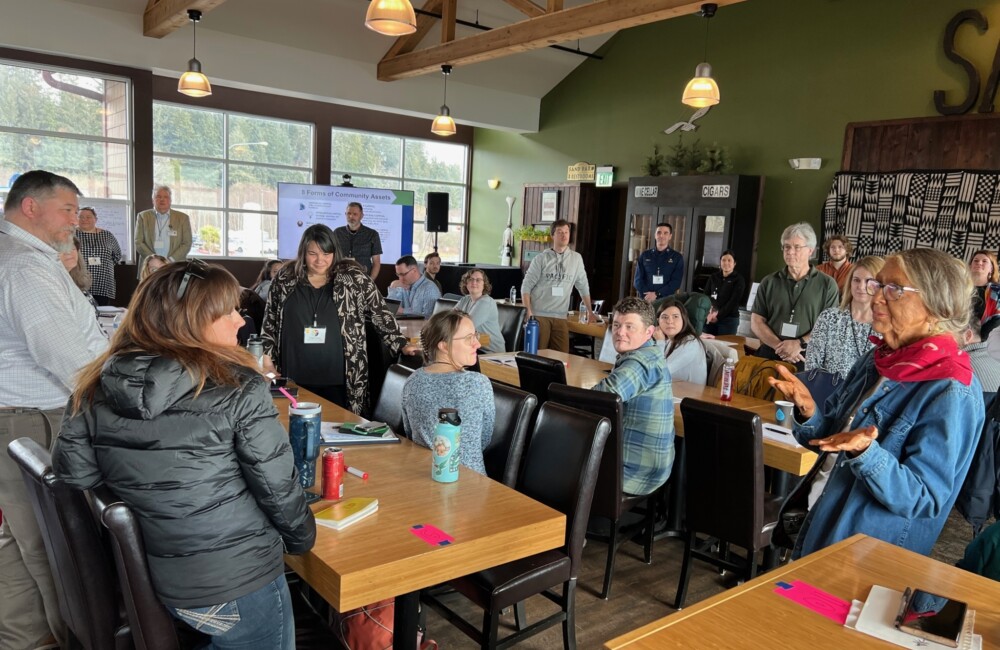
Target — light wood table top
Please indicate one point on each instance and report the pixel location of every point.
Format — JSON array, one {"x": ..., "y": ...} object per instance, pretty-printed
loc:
[
  {"x": 379, "y": 557},
  {"x": 583, "y": 372},
  {"x": 752, "y": 616},
  {"x": 410, "y": 327},
  {"x": 592, "y": 328}
]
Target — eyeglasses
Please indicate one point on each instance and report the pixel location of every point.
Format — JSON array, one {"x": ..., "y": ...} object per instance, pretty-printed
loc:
[
  {"x": 468, "y": 338},
  {"x": 890, "y": 291},
  {"x": 195, "y": 269},
  {"x": 788, "y": 248}
]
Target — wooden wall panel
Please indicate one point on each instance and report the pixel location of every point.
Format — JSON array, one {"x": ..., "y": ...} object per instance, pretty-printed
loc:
[{"x": 928, "y": 143}]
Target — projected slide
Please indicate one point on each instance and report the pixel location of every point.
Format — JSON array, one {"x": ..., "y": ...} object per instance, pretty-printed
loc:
[{"x": 390, "y": 212}]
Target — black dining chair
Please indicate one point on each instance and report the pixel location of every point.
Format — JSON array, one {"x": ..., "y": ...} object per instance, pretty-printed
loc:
[
  {"x": 515, "y": 413},
  {"x": 610, "y": 500},
  {"x": 443, "y": 304},
  {"x": 725, "y": 497},
  {"x": 80, "y": 562},
  {"x": 153, "y": 627},
  {"x": 511, "y": 320},
  {"x": 535, "y": 373},
  {"x": 577, "y": 439},
  {"x": 389, "y": 407}
]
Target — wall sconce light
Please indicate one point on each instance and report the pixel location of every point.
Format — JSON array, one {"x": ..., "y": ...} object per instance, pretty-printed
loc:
[
  {"x": 493, "y": 183},
  {"x": 702, "y": 90},
  {"x": 391, "y": 17},
  {"x": 193, "y": 83},
  {"x": 805, "y": 163}
]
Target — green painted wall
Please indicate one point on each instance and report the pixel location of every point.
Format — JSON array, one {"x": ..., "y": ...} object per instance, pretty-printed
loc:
[{"x": 792, "y": 74}]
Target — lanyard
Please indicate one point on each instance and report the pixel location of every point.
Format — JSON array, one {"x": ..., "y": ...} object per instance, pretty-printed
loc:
[
  {"x": 795, "y": 301},
  {"x": 165, "y": 227},
  {"x": 315, "y": 298}
]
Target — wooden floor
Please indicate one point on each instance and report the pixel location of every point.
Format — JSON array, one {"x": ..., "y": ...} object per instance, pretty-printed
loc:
[{"x": 640, "y": 593}]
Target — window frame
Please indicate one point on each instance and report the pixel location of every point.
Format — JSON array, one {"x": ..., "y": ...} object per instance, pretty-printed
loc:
[{"x": 225, "y": 209}]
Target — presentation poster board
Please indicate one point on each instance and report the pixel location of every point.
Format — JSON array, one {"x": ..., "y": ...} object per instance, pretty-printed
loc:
[
  {"x": 116, "y": 218},
  {"x": 390, "y": 212}
]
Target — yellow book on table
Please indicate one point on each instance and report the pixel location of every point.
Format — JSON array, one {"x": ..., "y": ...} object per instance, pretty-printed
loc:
[{"x": 345, "y": 512}]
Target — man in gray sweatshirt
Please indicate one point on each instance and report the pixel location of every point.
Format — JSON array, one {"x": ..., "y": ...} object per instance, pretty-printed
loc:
[{"x": 548, "y": 287}]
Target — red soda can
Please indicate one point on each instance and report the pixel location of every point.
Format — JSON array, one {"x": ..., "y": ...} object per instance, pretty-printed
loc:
[{"x": 333, "y": 473}]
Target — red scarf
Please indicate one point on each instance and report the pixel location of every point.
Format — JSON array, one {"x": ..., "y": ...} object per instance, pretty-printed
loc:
[{"x": 934, "y": 357}]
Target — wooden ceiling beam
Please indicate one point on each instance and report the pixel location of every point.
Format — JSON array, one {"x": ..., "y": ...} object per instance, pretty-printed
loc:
[
  {"x": 407, "y": 43},
  {"x": 599, "y": 17},
  {"x": 163, "y": 17},
  {"x": 555, "y": 5},
  {"x": 526, "y": 7},
  {"x": 448, "y": 20}
]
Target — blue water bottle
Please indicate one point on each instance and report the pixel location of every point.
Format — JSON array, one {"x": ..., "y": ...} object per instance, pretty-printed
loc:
[
  {"x": 531, "y": 329},
  {"x": 444, "y": 451}
]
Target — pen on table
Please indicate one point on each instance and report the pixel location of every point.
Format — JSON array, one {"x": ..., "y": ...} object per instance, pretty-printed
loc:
[
  {"x": 357, "y": 472},
  {"x": 902, "y": 608}
]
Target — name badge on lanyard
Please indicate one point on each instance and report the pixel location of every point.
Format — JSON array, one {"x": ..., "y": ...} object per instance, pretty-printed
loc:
[
  {"x": 93, "y": 261},
  {"x": 557, "y": 291},
  {"x": 657, "y": 279},
  {"x": 791, "y": 328},
  {"x": 315, "y": 335}
]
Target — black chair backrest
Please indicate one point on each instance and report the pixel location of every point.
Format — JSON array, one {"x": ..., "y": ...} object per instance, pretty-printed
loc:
[
  {"x": 153, "y": 628},
  {"x": 561, "y": 465},
  {"x": 389, "y": 407},
  {"x": 535, "y": 373},
  {"x": 511, "y": 320},
  {"x": 608, "y": 495},
  {"x": 515, "y": 415},
  {"x": 725, "y": 471},
  {"x": 81, "y": 566},
  {"x": 443, "y": 304}
]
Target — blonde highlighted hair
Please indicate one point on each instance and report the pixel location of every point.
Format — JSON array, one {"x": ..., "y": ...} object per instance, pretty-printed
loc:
[{"x": 160, "y": 323}]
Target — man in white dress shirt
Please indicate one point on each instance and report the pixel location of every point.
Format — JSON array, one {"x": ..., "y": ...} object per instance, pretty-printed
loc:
[{"x": 47, "y": 333}]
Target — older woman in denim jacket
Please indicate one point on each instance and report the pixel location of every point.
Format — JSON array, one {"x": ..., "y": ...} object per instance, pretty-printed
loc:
[{"x": 906, "y": 421}]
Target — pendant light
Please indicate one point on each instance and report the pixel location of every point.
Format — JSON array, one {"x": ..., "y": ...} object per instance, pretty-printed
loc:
[
  {"x": 391, "y": 17},
  {"x": 444, "y": 124},
  {"x": 702, "y": 90},
  {"x": 193, "y": 83}
]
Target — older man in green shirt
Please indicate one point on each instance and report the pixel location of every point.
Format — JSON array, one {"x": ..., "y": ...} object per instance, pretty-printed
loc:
[{"x": 789, "y": 301}]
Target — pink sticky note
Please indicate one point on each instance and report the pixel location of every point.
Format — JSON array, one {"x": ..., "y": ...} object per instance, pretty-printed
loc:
[
  {"x": 817, "y": 600},
  {"x": 432, "y": 535}
]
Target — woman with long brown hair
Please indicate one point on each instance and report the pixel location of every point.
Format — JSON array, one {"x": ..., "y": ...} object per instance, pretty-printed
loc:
[{"x": 175, "y": 419}]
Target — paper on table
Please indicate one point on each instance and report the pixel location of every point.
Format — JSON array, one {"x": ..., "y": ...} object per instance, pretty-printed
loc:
[
  {"x": 814, "y": 598},
  {"x": 780, "y": 434},
  {"x": 506, "y": 359},
  {"x": 879, "y": 612},
  {"x": 330, "y": 433}
]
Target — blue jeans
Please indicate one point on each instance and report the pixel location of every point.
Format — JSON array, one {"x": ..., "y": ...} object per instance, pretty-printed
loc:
[{"x": 261, "y": 620}]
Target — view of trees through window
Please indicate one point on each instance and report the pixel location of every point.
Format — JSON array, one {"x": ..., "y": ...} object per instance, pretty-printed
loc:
[
  {"x": 393, "y": 162},
  {"x": 224, "y": 170},
  {"x": 69, "y": 123}
]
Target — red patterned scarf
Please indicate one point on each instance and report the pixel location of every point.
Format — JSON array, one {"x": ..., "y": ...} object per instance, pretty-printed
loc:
[{"x": 934, "y": 357}]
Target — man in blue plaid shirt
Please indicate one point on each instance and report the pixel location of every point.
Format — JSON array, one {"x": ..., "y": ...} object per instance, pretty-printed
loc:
[{"x": 640, "y": 377}]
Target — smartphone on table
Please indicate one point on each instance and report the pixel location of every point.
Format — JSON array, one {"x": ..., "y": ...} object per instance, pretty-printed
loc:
[{"x": 932, "y": 617}]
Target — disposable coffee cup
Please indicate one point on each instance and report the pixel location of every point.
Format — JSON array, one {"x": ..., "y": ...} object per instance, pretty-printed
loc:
[{"x": 783, "y": 412}]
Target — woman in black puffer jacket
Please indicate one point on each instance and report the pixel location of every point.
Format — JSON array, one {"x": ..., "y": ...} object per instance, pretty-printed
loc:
[{"x": 176, "y": 420}]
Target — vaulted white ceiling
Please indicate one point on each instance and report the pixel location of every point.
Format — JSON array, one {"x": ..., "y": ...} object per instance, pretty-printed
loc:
[{"x": 318, "y": 49}]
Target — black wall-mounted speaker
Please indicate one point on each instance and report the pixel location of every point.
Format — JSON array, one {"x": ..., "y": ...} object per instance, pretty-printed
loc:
[{"x": 437, "y": 212}]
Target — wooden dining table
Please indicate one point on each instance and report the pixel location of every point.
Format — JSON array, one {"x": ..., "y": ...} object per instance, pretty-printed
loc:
[
  {"x": 754, "y": 616},
  {"x": 584, "y": 372},
  {"x": 410, "y": 327},
  {"x": 380, "y": 557}
]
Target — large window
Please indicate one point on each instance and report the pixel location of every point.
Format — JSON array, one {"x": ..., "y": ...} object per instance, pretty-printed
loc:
[
  {"x": 392, "y": 162},
  {"x": 224, "y": 169},
  {"x": 68, "y": 122}
]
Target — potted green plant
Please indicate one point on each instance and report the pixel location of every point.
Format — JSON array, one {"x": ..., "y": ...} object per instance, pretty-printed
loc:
[
  {"x": 716, "y": 160},
  {"x": 530, "y": 233},
  {"x": 654, "y": 165},
  {"x": 683, "y": 159}
]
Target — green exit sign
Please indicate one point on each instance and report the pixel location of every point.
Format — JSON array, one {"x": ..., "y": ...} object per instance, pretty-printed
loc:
[{"x": 605, "y": 177}]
